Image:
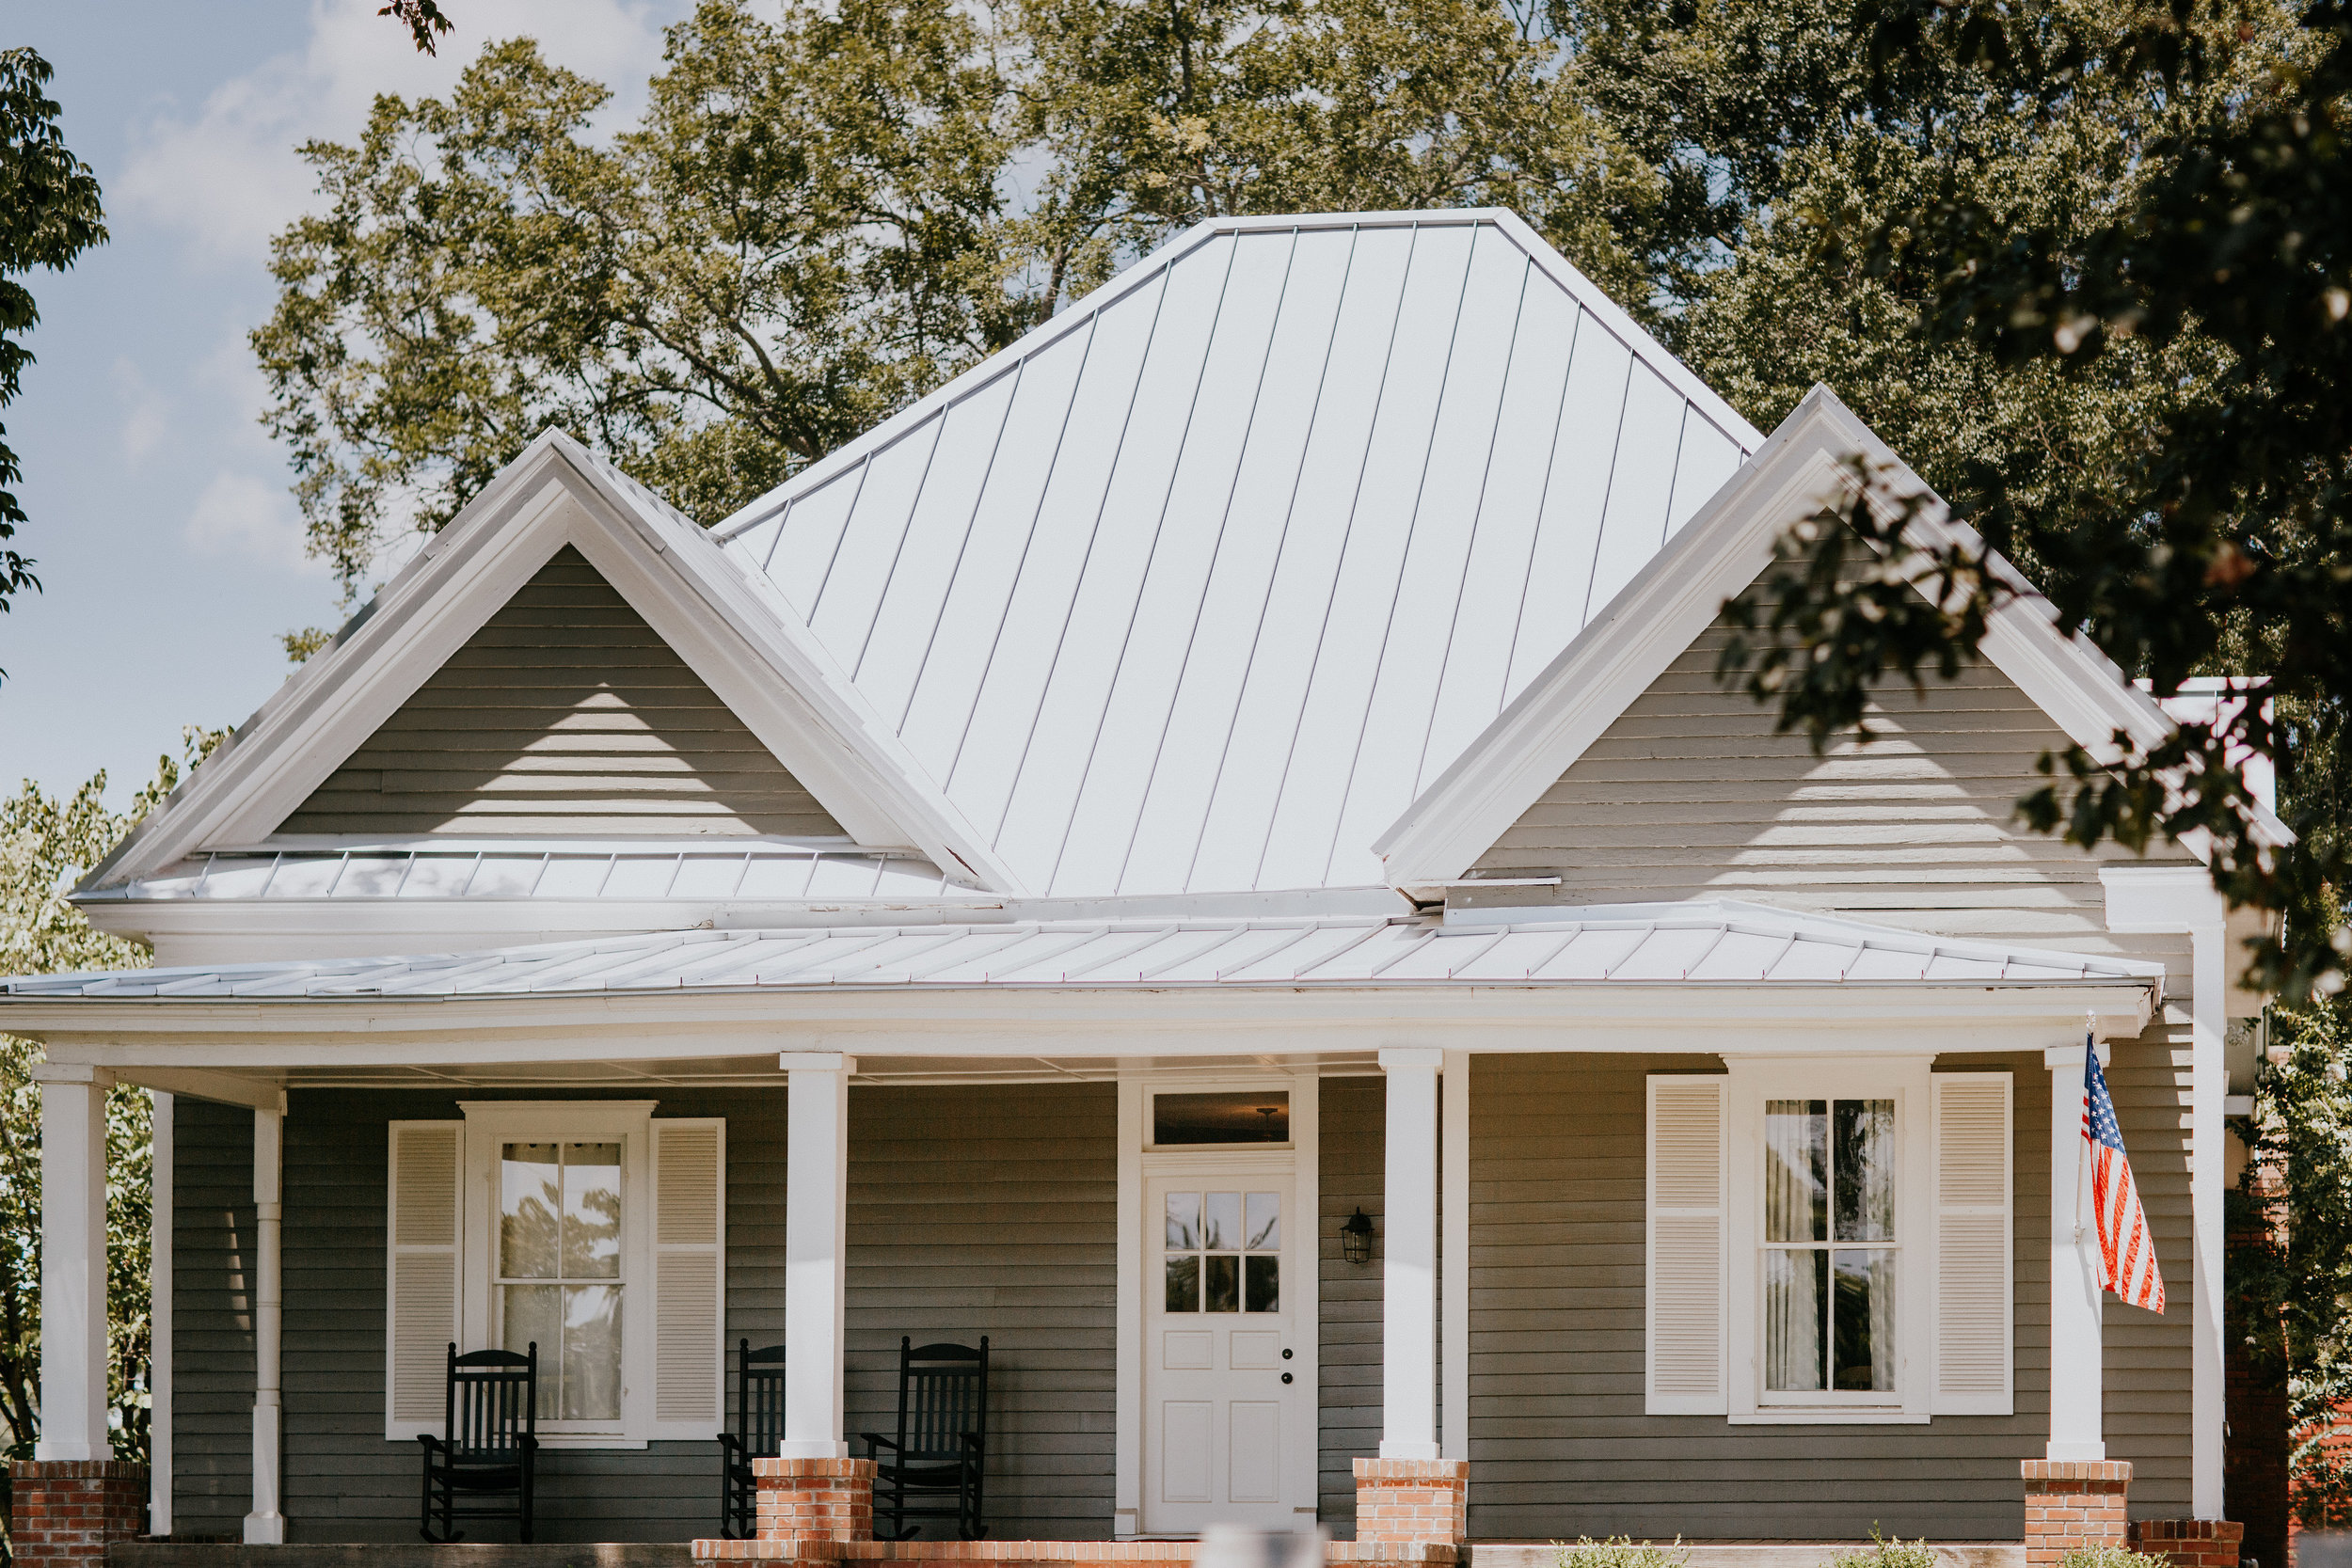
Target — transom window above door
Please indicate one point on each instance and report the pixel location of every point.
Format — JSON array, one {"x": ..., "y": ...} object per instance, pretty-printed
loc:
[{"x": 1224, "y": 1252}]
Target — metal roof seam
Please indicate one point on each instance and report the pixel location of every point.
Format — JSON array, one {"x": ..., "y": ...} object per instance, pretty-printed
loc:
[
  {"x": 1348, "y": 533},
  {"x": 1616, "y": 449},
  {"x": 1256, "y": 958},
  {"x": 1707, "y": 951},
  {"x": 1405, "y": 556},
  {"x": 1609, "y": 972},
  {"x": 1224, "y": 516},
  {"x": 1492, "y": 943},
  {"x": 914, "y": 505},
  {"x": 1143, "y": 580}
]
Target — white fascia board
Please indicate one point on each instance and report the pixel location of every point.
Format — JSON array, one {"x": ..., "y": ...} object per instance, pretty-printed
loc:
[
  {"x": 986, "y": 1022},
  {"x": 765, "y": 668},
  {"x": 1800, "y": 467}
]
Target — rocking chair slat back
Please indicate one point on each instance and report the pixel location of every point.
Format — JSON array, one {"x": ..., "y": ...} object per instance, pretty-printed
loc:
[
  {"x": 491, "y": 1395},
  {"x": 759, "y": 1430},
  {"x": 936, "y": 1467},
  {"x": 943, "y": 1393}
]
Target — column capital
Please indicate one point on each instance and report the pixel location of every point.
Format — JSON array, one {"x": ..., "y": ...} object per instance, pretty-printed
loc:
[
  {"x": 1395, "y": 1056},
  {"x": 72, "y": 1072},
  {"x": 816, "y": 1061}
]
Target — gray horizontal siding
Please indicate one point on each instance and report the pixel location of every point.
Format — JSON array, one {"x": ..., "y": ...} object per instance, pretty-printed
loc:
[
  {"x": 1689, "y": 795},
  {"x": 986, "y": 1210},
  {"x": 1352, "y": 1161},
  {"x": 564, "y": 714},
  {"x": 1560, "y": 1446}
]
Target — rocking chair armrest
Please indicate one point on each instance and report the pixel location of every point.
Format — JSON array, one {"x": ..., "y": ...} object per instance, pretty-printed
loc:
[
  {"x": 528, "y": 1442},
  {"x": 972, "y": 1440},
  {"x": 875, "y": 1439},
  {"x": 431, "y": 1443},
  {"x": 730, "y": 1443}
]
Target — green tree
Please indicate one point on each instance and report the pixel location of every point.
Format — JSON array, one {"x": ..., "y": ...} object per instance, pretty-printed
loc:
[
  {"x": 45, "y": 843},
  {"x": 49, "y": 214}
]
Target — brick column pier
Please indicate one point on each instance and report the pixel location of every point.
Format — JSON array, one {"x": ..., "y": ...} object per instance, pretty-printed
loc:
[
  {"x": 2072, "y": 1503},
  {"x": 1412, "y": 1501},
  {"x": 64, "y": 1511},
  {"x": 2192, "y": 1543}
]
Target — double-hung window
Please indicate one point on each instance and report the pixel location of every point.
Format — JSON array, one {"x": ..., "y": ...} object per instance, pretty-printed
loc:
[
  {"x": 1829, "y": 1240},
  {"x": 592, "y": 1229}
]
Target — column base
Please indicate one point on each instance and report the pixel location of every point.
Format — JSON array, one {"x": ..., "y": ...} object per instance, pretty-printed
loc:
[
  {"x": 815, "y": 1499},
  {"x": 64, "y": 1513},
  {"x": 2074, "y": 1504},
  {"x": 2191, "y": 1543},
  {"x": 1412, "y": 1501}
]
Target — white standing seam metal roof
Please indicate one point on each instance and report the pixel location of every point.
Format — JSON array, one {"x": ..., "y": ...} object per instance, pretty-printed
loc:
[
  {"x": 1198, "y": 585},
  {"x": 1715, "y": 944}
]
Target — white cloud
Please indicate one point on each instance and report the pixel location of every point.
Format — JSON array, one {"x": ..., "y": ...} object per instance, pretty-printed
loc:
[
  {"x": 230, "y": 177},
  {"x": 146, "y": 411},
  {"x": 241, "y": 515}
]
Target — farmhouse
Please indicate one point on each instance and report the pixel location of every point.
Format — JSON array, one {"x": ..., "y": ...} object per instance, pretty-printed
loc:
[{"x": 1211, "y": 853}]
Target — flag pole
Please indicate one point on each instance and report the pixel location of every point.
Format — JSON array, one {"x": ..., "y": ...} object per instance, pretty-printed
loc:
[{"x": 2082, "y": 1144}]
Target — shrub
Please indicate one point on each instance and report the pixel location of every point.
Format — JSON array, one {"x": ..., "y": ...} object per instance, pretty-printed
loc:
[
  {"x": 2111, "y": 1556},
  {"x": 1896, "y": 1553},
  {"x": 1620, "y": 1552}
]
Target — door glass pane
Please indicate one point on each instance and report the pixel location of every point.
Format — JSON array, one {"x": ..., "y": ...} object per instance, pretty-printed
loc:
[
  {"x": 592, "y": 1354},
  {"x": 1796, "y": 1170},
  {"x": 1262, "y": 1283},
  {"x": 1796, "y": 1292},
  {"x": 1183, "y": 1221},
  {"x": 1865, "y": 1316},
  {"x": 1223, "y": 1281},
  {"x": 1265, "y": 1230},
  {"x": 1184, "y": 1283},
  {"x": 1223, "y": 1230},
  {"x": 592, "y": 1210},
  {"x": 531, "y": 1189},
  {"x": 1865, "y": 1162}
]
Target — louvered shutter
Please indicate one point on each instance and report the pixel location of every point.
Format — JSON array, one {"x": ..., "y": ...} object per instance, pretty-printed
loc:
[
  {"x": 421, "y": 1267},
  {"x": 1684, "y": 1343},
  {"x": 689, "y": 1277},
  {"x": 1972, "y": 1250}
]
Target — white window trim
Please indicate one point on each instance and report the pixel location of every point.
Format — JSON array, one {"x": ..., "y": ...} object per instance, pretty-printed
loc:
[
  {"x": 1906, "y": 1080},
  {"x": 490, "y": 1124}
]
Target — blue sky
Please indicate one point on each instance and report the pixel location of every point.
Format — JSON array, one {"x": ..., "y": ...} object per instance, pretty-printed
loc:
[{"x": 170, "y": 547}]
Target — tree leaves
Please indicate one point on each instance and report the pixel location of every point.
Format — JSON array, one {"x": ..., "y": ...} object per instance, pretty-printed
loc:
[{"x": 49, "y": 214}]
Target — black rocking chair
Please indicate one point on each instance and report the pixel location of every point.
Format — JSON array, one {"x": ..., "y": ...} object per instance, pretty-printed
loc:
[
  {"x": 489, "y": 1443},
  {"x": 934, "y": 1468},
  {"x": 759, "y": 1422}
]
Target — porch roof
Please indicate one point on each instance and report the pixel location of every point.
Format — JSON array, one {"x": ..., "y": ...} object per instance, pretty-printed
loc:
[{"x": 1707, "y": 943}]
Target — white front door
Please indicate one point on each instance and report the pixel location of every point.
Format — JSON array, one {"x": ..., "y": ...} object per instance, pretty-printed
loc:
[{"x": 1226, "y": 1393}]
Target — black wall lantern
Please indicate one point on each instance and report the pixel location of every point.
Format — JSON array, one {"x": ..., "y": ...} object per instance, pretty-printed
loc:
[{"x": 1355, "y": 1238}]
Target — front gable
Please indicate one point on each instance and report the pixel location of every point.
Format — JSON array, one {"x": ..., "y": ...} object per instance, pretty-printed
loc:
[
  {"x": 338, "y": 750},
  {"x": 1660, "y": 618},
  {"x": 567, "y": 715},
  {"x": 1688, "y": 794}
]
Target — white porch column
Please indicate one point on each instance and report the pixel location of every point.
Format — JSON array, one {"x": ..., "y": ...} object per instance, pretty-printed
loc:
[
  {"x": 2182, "y": 900},
  {"x": 72, "y": 1262},
  {"x": 1408, "y": 1282},
  {"x": 1453, "y": 1278},
  {"x": 266, "y": 1524},
  {"x": 159, "y": 1273},
  {"x": 815, "y": 1227},
  {"x": 2077, "y": 1374}
]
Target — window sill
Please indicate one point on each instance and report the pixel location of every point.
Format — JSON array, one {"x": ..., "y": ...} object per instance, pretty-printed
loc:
[{"x": 1822, "y": 1414}]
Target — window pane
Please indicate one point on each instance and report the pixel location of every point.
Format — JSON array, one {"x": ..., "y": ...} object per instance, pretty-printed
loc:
[
  {"x": 1865, "y": 1164},
  {"x": 1224, "y": 1282},
  {"x": 529, "y": 1199},
  {"x": 592, "y": 1210},
  {"x": 1223, "y": 1230},
  {"x": 1263, "y": 1277},
  {"x": 1865, "y": 1316},
  {"x": 1259, "y": 1117},
  {"x": 1184, "y": 1283},
  {"x": 1796, "y": 1291},
  {"x": 1266, "y": 1222},
  {"x": 592, "y": 1354},
  {"x": 1183, "y": 1221},
  {"x": 1796, "y": 1170}
]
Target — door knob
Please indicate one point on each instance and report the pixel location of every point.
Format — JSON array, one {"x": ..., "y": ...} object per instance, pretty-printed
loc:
[{"x": 1286, "y": 1377}]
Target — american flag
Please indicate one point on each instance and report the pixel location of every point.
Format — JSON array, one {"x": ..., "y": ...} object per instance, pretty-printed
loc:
[{"x": 2127, "y": 1254}]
